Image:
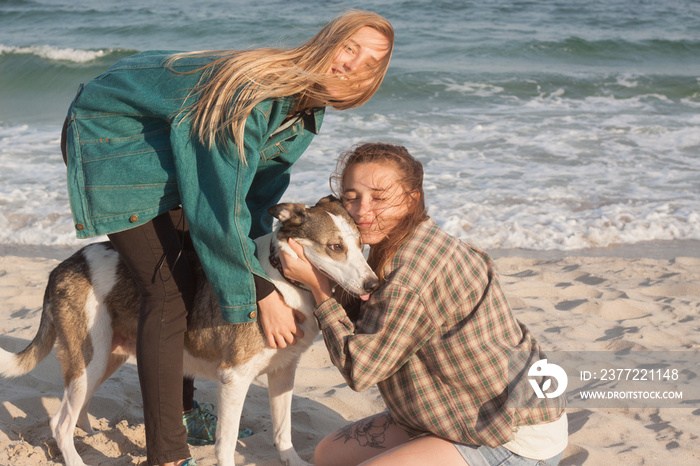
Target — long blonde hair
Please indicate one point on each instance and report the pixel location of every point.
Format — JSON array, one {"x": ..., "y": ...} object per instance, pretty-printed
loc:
[
  {"x": 238, "y": 80},
  {"x": 411, "y": 180}
]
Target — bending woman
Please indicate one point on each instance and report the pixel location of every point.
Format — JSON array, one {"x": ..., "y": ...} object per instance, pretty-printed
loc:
[
  {"x": 162, "y": 142},
  {"x": 437, "y": 337}
]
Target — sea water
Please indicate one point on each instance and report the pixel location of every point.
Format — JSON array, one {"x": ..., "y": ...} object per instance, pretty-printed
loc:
[{"x": 541, "y": 124}]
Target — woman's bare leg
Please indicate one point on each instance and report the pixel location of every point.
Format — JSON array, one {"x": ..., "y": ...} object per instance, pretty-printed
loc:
[
  {"x": 378, "y": 441},
  {"x": 419, "y": 452},
  {"x": 360, "y": 441}
]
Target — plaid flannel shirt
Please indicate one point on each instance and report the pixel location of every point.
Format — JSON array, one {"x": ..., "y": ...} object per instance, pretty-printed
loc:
[{"x": 436, "y": 339}]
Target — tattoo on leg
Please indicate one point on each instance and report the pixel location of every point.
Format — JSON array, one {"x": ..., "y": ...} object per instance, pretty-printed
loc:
[{"x": 368, "y": 432}]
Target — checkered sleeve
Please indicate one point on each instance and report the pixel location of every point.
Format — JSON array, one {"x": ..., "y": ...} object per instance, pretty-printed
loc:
[{"x": 383, "y": 344}]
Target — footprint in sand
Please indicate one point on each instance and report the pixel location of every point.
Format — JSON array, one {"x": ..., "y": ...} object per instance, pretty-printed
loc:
[
  {"x": 589, "y": 279},
  {"x": 570, "y": 304},
  {"x": 574, "y": 455}
]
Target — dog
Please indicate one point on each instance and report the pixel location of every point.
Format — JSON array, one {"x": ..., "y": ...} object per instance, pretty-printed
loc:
[{"x": 91, "y": 307}]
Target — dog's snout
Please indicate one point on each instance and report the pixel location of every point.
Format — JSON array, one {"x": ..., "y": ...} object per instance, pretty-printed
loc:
[{"x": 371, "y": 285}]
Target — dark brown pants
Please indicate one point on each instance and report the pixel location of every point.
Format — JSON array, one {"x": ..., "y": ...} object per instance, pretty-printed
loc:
[{"x": 155, "y": 255}]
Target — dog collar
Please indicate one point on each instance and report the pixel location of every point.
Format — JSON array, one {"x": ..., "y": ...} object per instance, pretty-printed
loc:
[{"x": 276, "y": 263}]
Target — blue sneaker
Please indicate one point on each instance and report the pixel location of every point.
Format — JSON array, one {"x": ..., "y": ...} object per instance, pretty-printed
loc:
[{"x": 200, "y": 424}]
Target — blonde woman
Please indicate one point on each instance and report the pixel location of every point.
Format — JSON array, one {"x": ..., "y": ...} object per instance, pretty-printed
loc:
[{"x": 164, "y": 147}]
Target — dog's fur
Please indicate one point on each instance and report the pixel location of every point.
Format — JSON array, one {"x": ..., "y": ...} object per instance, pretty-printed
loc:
[{"x": 91, "y": 308}]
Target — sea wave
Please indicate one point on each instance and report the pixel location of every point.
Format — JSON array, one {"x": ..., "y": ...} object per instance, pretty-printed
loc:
[
  {"x": 621, "y": 50},
  {"x": 541, "y": 182},
  {"x": 52, "y": 53}
]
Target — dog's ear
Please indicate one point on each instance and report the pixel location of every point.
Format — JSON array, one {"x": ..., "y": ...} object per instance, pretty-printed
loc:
[
  {"x": 327, "y": 199},
  {"x": 332, "y": 204},
  {"x": 289, "y": 214}
]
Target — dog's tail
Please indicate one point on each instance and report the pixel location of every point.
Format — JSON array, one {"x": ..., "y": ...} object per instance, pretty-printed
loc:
[{"x": 15, "y": 365}]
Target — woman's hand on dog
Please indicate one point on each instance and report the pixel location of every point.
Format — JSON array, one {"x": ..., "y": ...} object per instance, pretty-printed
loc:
[
  {"x": 300, "y": 269},
  {"x": 279, "y": 321}
]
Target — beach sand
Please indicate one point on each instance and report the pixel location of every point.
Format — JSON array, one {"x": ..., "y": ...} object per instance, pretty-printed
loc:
[{"x": 610, "y": 300}]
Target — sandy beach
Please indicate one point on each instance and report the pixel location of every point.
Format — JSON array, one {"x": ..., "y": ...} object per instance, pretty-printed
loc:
[{"x": 644, "y": 297}]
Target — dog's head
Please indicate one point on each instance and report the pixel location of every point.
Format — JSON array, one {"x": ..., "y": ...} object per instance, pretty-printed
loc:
[{"x": 331, "y": 242}]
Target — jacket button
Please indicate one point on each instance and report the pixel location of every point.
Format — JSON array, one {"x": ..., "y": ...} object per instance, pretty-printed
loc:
[
  {"x": 80, "y": 227},
  {"x": 253, "y": 315},
  {"x": 134, "y": 218}
]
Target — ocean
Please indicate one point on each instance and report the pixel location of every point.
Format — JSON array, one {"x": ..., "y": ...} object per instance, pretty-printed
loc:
[{"x": 543, "y": 125}]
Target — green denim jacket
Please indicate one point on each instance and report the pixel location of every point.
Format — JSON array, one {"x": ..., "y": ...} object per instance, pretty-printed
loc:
[{"x": 131, "y": 158}]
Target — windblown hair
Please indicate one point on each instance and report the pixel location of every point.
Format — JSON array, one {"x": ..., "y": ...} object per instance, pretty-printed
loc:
[
  {"x": 235, "y": 81},
  {"x": 411, "y": 180}
]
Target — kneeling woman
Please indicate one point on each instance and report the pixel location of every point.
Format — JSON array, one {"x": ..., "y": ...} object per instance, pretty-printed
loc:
[{"x": 438, "y": 336}]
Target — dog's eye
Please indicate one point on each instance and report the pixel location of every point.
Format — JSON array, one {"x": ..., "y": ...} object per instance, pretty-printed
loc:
[{"x": 335, "y": 247}]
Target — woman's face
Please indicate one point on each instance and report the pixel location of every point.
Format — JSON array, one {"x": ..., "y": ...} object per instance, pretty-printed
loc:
[
  {"x": 363, "y": 52},
  {"x": 375, "y": 199}
]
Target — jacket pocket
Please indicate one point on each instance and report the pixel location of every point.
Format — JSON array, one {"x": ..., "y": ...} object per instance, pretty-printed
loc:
[
  {"x": 126, "y": 203},
  {"x": 96, "y": 145}
]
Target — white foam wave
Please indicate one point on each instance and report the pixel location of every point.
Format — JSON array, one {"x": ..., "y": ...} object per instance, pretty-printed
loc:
[
  {"x": 552, "y": 182},
  {"x": 49, "y": 52},
  {"x": 551, "y": 227},
  {"x": 628, "y": 81},
  {"x": 473, "y": 88}
]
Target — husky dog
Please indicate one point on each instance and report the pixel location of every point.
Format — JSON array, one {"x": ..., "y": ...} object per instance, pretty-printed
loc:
[{"x": 91, "y": 308}]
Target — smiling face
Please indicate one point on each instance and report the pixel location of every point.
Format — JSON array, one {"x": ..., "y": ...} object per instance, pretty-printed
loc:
[
  {"x": 375, "y": 199},
  {"x": 354, "y": 63}
]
